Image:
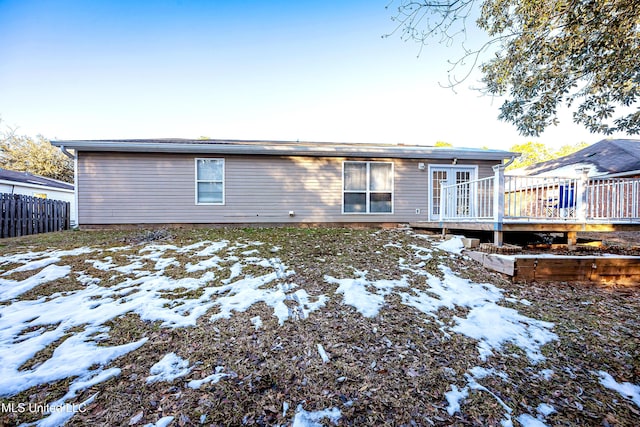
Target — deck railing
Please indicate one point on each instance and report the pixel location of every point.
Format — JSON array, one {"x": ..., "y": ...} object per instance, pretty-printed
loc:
[
  {"x": 508, "y": 198},
  {"x": 471, "y": 200},
  {"x": 613, "y": 199},
  {"x": 547, "y": 198}
]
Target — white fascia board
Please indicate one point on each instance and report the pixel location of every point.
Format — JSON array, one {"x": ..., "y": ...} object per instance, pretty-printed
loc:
[
  {"x": 36, "y": 186},
  {"x": 351, "y": 150},
  {"x": 620, "y": 174}
]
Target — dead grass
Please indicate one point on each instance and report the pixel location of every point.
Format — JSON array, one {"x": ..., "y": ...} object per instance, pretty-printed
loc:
[{"x": 392, "y": 370}]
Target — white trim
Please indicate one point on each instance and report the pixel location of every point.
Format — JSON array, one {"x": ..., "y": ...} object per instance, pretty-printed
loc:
[
  {"x": 286, "y": 148},
  {"x": 626, "y": 174},
  {"x": 75, "y": 189},
  {"x": 196, "y": 181},
  {"x": 367, "y": 191},
  {"x": 448, "y": 168},
  {"x": 36, "y": 186}
]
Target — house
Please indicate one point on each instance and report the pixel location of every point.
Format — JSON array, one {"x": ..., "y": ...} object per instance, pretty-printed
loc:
[
  {"x": 594, "y": 189},
  {"x": 179, "y": 181},
  {"x": 609, "y": 158},
  {"x": 609, "y": 164},
  {"x": 12, "y": 182}
]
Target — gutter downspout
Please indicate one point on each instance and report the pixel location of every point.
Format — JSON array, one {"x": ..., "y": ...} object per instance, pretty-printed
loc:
[
  {"x": 67, "y": 153},
  {"x": 64, "y": 150},
  {"x": 505, "y": 165}
]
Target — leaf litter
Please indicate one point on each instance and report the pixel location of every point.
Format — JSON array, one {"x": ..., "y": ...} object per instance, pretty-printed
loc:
[{"x": 304, "y": 327}]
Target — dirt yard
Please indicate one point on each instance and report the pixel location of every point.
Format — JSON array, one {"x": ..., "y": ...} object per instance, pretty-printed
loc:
[{"x": 302, "y": 327}]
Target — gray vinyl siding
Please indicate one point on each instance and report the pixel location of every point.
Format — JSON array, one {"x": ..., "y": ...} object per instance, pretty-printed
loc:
[{"x": 130, "y": 188}]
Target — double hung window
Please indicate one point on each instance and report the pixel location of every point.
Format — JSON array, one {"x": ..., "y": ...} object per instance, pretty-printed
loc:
[
  {"x": 209, "y": 181},
  {"x": 367, "y": 187}
]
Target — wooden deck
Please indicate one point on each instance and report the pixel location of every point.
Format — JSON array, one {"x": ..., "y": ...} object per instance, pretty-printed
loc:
[
  {"x": 503, "y": 204},
  {"x": 528, "y": 226}
]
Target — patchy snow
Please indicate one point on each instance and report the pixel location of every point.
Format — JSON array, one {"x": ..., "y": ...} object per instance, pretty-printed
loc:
[
  {"x": 311, "y": 419},
  {"x": 529, "y": 421},
  {"x": 491, "y": 324},
  {"x": 220, "y": 286},
  {"x": 256, "y": 322},
  {"x": 60, "y": 413},
  {"x": 207, "y": 264},
  {"x": 479, "y": 373},
  {"x": 73, "y": 357},
  {"x": 545, "y": 409},
  {"x": 213, "y": 248},
  {"x": 454, "y": 397},
  {"x": 170, "y": 367},
  {"x": 357, "y": 291},
  {"x": 211, "y": 379},
  {"x": 546, "y": 374},
  {"x": 29, "y": 326},
  {"x": 162, "y": 422},
  {"x": 11, "y": 288},
  {"x": 105, "y": 264},
  {"x": 36, "y": 260},
  {"x": 453, "y": 245},
  {"x": 627, "y": 390},
  {"x": 421, "y": 252},
  {"x": 323, "y": 354},
  {"x": 494, "y": 325}
]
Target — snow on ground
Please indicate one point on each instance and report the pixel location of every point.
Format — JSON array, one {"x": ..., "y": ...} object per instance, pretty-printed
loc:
[
  {"x": 357, "y": 291},
  {"x": 311, "y": 419},
  {"x": 170, "y": 367},
  {"x": 210, "y": 379},
  {"x": 490, "y": 324},
  {"x": 162, "y": 422},
  {"x": 12, "y": 288},
  {"x": 626, "y": 389},
  {"x": 220, "y": 286},
  {"x": 323, "y": 354},
  {"x": 29, "y": 326},
  {"x": 453, "y": 245}
]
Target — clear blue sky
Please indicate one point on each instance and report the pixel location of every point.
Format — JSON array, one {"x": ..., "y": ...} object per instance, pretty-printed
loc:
[{"x": 282, "y": 70}]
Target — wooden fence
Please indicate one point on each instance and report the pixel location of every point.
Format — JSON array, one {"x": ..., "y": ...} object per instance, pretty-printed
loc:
[{"x": 22, "y": 215}]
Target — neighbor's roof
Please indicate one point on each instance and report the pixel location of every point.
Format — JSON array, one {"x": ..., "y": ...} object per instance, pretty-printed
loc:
[
  {"x": 283, "y": 148},
  {"x": 29, "y": 178},
  {"x": 607, "y": 157}
]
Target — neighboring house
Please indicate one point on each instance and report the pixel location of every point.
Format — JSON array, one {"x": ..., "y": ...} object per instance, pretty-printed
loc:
[
  {"x": 553, "y": 184},
  {"x": 609, "y": 158},
  {"x": 178, "y": 181},
  {"x": 25, "y": 183}
]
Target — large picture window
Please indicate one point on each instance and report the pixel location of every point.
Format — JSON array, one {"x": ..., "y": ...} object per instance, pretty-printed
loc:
[
  {"x": 210, "y": 181},
  {"x": 367, "y": 187}
]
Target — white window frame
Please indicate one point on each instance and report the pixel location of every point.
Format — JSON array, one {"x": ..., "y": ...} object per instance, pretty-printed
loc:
[
  {"x": 449, "y": 168},
  {"x": 368, "y": 191},
  {"x": 197, "y": 181}
]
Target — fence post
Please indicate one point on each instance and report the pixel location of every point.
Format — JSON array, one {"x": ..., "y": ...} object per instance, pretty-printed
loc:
[
  {"x": 582, "y": 194},
  {"x": 498, "y": 204}
]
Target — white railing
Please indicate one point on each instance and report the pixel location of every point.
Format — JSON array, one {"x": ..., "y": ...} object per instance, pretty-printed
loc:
[
  {"x": 613, "y": 199},
  {"x": 541, "y": 198},
  {"x": 471, "y": 200},
  {"x": 507, "y": 198}
]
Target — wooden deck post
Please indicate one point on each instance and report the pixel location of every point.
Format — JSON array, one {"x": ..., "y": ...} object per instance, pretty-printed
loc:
[
  {"x": 581, "y": 194},
  {"x": 498, "y": 204}
]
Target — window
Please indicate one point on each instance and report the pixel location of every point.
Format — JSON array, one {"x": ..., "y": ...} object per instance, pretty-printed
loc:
[
  {"x": 209, "y": 181},
  {"x": 367, "y": 187}
]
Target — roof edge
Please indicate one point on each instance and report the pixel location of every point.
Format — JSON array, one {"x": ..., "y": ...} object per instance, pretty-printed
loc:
[{"x": 286, "y": 149}]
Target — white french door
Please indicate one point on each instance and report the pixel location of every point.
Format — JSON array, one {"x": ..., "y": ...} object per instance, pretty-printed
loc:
[{"x": 450, "y": 175}]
